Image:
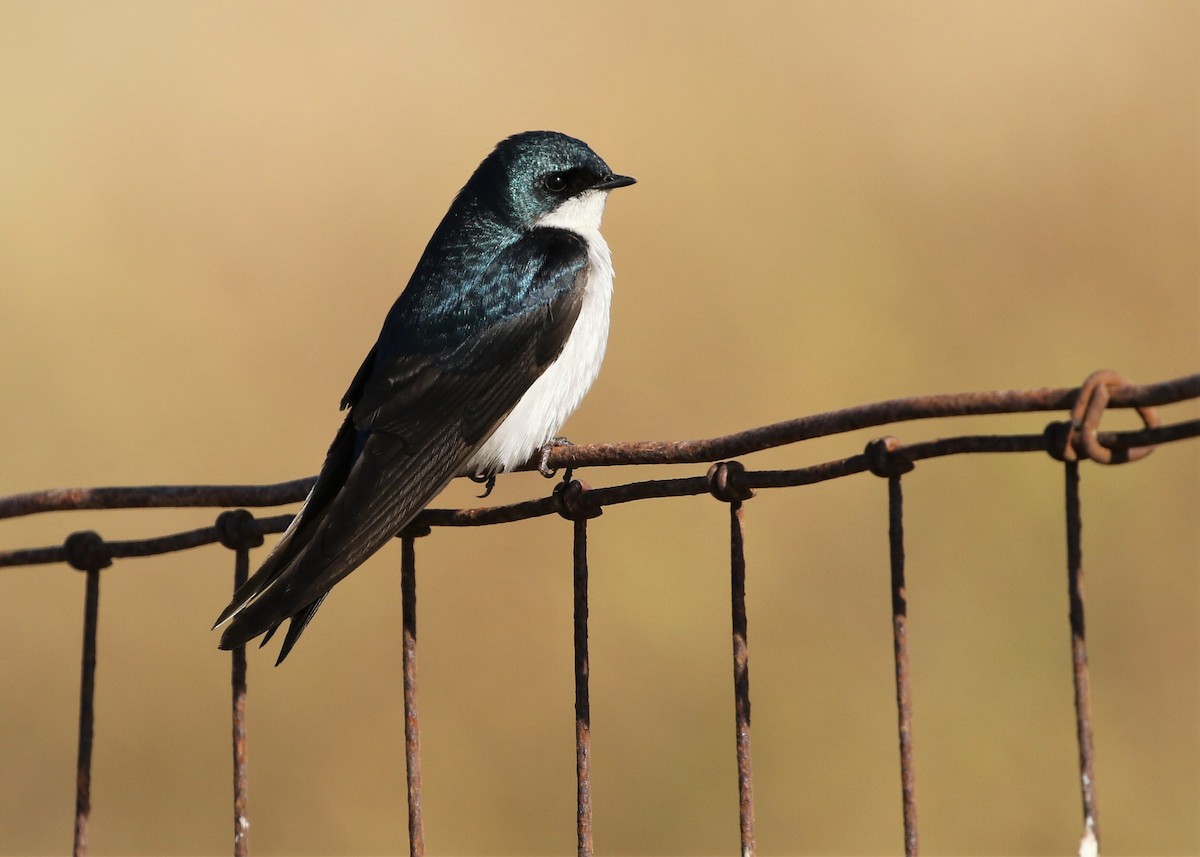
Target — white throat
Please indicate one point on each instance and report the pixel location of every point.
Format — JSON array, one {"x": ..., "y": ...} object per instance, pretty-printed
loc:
[
  {"x": 555, "y": 395},
  {"x": 581, "y": 213}
]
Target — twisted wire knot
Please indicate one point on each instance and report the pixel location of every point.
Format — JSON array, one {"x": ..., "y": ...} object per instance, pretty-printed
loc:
[
  {"x": 86, "y": 551},
  {"x": 1057, "y": 437},
  {"x": 236, "y": 530},
  {"x": 727, "y": 482},
  {"x": 573, "y": 501},
  {"x": 885, "y": 457}
]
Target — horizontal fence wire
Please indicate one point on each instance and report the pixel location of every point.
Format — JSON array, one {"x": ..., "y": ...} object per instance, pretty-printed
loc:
[
  {"x": 1070, "y": 441},
  {"x": 689, "y": 451}
]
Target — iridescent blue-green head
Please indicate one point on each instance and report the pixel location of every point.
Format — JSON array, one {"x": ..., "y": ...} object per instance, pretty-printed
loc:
[{"x": 531, "y": 176}]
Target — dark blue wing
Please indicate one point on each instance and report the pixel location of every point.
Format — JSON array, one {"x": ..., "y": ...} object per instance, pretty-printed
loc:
[{"x": 415, "y": 420}]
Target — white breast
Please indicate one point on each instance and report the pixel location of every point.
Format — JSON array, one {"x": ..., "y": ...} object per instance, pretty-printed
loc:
[{"x": 555, "y": 395}]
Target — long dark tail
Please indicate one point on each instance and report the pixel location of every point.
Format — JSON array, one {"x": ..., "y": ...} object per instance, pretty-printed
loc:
[
  {"x": 246, "y": 625},
  {"x": 362, "y": 499}
]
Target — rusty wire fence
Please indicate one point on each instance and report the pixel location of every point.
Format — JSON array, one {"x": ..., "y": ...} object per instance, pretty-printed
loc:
[{"x": 1071, "y": 441}]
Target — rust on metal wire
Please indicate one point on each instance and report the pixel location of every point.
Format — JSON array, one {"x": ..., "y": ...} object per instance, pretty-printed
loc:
[
  {"x": 412, "y": 722},
  {"x": 887, "y": 456},
  {"x": 727, "y": 484},
  {"x": 573, "y": 501},
  {"x": 1082, "y": 437},
  {"x": 890, "y": 459},
  {"x": 863, "y": 416},
  {"x": 583, "y": 705},
  {"x": 631, "y": 492},
  {"x": 236, "y": 530},
  {"x": 1079, "y": 660},
  {"x": 85, "y": 552},
  {"x": 640, "y": 452},
  {"x": 155, "y": 496},
  {"x": 908, "y": 775},
  {"x": 241, "y": 821},
  {"x": 87, "y": 714}
]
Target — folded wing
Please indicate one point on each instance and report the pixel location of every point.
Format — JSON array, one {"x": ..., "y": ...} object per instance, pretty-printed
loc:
[{"x": 415, "y": 420}]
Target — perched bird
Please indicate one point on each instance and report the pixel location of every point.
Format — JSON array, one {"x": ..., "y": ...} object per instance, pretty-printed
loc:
[{"x": 491, "y": 346}]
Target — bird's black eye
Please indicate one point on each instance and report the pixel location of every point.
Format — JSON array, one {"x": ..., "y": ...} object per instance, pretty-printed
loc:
[{"x": 555, "y": 182}]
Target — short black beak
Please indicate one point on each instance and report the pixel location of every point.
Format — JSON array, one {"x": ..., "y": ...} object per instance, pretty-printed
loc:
[{"x": 609, "y": 182}]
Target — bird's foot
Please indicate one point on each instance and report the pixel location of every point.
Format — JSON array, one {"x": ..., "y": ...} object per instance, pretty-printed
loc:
[
  {"x": 487, "y": 480},
  {"x": 544, "y": 467}
]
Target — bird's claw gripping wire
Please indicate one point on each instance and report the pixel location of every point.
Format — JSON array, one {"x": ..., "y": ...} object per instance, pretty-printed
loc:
[{"x": 544, "y": 467}]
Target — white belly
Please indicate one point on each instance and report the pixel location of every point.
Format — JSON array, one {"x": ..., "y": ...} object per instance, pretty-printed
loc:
[{"x": 554, "y": 396}]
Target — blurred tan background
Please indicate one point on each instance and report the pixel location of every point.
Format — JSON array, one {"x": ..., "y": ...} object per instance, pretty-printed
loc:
[{"x": 207, "y": 209}]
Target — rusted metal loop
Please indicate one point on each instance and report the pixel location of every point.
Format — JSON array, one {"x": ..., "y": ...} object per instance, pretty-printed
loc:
[
  {"x": 86, "y": 551},
  {"x": 573, "y": 501},
  {"x": 1082, "y": 436},
  {"x": 885, "y": 457},
  {"x": 727, "y": 482},
  {"x": 236, "y": 530}
]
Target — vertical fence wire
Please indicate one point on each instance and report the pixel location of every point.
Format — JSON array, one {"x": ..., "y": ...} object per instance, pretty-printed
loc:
[
  {"x": 583, "y": 709},
  {"x": 908, "y": 777},
  {"x": 237, "y": 530},
  {"x": 241, "y": 823},
  {"x": 412, "y": 725},
  {"x": 1090, "y": 842},
  {"x": 87, "y": 690},
  {"x": 741, "y": 676}
]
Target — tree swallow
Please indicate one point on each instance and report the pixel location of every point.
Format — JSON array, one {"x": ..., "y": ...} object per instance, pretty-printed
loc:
[{"x": 491, "y": 346}]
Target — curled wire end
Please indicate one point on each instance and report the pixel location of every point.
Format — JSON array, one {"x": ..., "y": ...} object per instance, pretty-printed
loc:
[
  {"x": 727, "y": 482},
  {"x": 1079, "y": 438},
  {"x": 885, "y": 457}
]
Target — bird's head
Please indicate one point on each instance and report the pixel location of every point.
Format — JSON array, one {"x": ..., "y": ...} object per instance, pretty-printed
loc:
[{"x": 544, "y": 178}]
